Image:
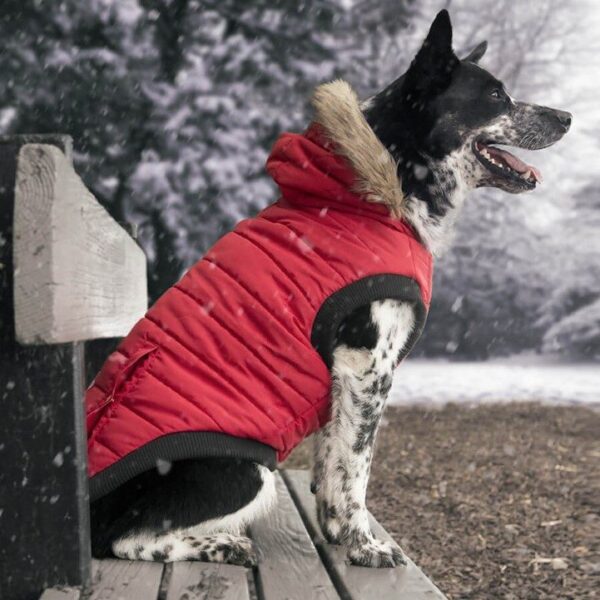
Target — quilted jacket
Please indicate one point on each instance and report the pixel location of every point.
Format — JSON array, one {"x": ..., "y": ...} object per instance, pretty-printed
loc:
[{"x": 234, "y": 359}]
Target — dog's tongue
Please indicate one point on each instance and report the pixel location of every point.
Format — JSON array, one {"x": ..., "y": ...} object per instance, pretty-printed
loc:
[{"x": 514, "y": 162}]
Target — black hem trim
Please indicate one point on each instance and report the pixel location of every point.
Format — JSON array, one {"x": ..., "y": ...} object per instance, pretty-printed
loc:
[
  {"x": 364, "y": 291},
  {"x": 179, "y": 446}
]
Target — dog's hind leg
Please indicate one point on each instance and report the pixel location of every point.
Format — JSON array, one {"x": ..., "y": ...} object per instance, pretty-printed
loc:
[
  {"x": 187, "y": 545},
  {"x": 361, "y": 379},
  {"x": 198, "y": 511}
]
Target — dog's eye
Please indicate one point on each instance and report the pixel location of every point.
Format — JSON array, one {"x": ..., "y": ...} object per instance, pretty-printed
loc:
[{"x": 496, "y": 93}]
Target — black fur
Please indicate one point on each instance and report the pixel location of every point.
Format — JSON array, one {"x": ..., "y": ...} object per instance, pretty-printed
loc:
[
  {"x": 191, "y": 492},
  {"x": 424, "y": 115},
  {"x": 358, "y": 330}
]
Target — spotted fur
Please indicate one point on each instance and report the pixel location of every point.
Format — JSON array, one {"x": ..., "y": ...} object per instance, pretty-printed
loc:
[
  {"x": 429, "y": 119},
  {"x": 194, "y": 512},
  {"x": 183, "y": 545},
  {"x": 411, "y": 147},
  {"x": 361, "y": 380}
]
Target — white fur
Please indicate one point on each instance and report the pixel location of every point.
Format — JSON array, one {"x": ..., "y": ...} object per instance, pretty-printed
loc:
[
  {"x": 177, "y": 545},
  {"x": 464, "y": 170},
  {"x": 181, "y": 542},
  {"x": 342, "y": 463}
]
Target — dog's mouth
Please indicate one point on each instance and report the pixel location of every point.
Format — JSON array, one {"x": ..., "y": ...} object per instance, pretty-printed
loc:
[{"x": 506, "y": 166}]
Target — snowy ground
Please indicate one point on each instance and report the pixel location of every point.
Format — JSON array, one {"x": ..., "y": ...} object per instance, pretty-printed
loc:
[{"x": 506, "y": 380}]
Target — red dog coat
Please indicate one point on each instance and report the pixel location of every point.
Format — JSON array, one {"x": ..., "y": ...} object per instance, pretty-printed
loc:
[{"x": 234, "y": 359}]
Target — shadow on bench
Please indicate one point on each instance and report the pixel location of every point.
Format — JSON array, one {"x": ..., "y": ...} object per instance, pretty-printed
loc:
[{"x": 295, "y": 564}]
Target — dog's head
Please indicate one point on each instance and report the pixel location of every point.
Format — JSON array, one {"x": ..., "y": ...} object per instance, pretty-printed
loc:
[{"x": 442, "y": 118}]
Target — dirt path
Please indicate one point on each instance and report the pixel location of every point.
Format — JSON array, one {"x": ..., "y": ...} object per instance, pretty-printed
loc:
[{"x": 498, "y": 501}]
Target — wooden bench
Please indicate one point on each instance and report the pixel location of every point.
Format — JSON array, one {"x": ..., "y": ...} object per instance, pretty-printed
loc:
[
  {"x": 295, "y": 564},
  {"x": 70, "y": 274}
]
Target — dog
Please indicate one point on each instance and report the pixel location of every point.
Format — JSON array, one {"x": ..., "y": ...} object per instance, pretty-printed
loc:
[{"x": 441, "y": 122}]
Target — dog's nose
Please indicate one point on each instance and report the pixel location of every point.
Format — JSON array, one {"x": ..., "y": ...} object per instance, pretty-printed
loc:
[{"x": 564, "y": 118}]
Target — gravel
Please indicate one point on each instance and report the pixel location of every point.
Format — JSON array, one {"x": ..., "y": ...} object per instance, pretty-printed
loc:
[{"x": 495, "y": 501}]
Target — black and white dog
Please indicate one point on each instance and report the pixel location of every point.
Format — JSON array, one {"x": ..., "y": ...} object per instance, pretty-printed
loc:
[{"x": 441, "y": 122}]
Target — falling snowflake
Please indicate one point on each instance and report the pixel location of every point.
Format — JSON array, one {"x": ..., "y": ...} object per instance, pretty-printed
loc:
[{"x": 163, "y": 466}]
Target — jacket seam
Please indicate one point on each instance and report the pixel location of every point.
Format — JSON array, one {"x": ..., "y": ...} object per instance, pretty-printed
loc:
[
  {"x": 129, "y": 407},
  {"x": 242, "y": 343},
  {"x": 127, "y": 387},
  {"x": 210, "y": 364},
  {"x": 187, "y": 399},
  {"x": 278, "y": 264},
  {"x": 301, "y": 416},
  {"x": 256, "y": 298},
  {"x": 298, "y": 236}
]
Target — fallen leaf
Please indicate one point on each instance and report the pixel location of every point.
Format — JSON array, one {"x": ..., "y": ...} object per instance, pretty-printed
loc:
[
  {"x": 551, "y": 523},
  {"x": 559, "y": 564}
]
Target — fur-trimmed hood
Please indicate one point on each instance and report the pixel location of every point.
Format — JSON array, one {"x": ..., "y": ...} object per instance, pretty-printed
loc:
[
  {"x": 337, "y": 110},
  {"x": 338, "y": 161}
]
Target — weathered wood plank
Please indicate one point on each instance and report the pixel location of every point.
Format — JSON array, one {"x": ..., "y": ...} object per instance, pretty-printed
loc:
[
  {"x": 207, "y": 581},
  {"x": 43, "y": 482},
  {"x": 77, "y": 274},
  {"x": 359, "y": 583},
  {"x": 125, "y": 580},
  {"x": 289, "y": 565},
  {"x": 62, "y": 593},
  {"x": 60, "y": 140}
]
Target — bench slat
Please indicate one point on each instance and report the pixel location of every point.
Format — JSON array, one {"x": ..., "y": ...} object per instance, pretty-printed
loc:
[
  {"x": 289, "y": 566},
  {"x": 209, "y": 581},
  {"x": 63, "y": 593},
  {"x": 114, "y": 579},
  {"x": 359, "y": 583}
]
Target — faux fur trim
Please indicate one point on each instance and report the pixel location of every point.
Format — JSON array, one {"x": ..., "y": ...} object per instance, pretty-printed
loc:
[{"x": 337, "y": 110}]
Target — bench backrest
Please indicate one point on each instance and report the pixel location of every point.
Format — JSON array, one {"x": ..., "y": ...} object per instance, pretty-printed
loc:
[{"x": 68, "y": 273}]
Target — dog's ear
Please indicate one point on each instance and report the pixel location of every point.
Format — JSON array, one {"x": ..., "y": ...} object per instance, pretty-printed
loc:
[
  {"x": 440, "y": 32},
  {"x": 477, "y": 53},
  {"x": 431, "y": 70}
]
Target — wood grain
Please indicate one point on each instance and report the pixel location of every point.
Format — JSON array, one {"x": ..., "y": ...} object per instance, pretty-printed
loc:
[
  {"x": 207, "y": 581},
  {"x": 61, "y": 593},
  {"x": 289, "y": 567},
  {"x": 77, "y": 274},
  {"x": 43, "y": 479},
  {"x": 125, "y": 580},
  {"x": 359, "y": 583}
]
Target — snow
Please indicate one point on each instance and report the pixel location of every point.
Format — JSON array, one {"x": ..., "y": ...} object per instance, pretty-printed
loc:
[
  {"x": 521, "y": 378},
  {"x": 171, "y": 133},
  {"x": 163, "y": 466}
]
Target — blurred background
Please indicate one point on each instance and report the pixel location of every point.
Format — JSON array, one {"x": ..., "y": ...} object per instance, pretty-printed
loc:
[{"x": 174, "y": 104}]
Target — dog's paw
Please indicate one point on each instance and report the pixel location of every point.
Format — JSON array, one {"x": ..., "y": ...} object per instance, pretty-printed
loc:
[
  {"x": 242, "y": 554},
  {"x": 239, "y": 552},
  {"x": 376, "y": 553},
  {"x": 223, "y": 548}
]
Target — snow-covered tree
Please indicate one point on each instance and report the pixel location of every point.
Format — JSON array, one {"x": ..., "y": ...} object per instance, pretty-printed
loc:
[
  {"x": 516, "y": 261},
  {"x": 174, "y": 104}
]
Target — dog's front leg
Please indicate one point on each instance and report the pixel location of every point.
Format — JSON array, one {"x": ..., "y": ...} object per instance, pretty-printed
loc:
[{"x": 361, "y": 379}]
